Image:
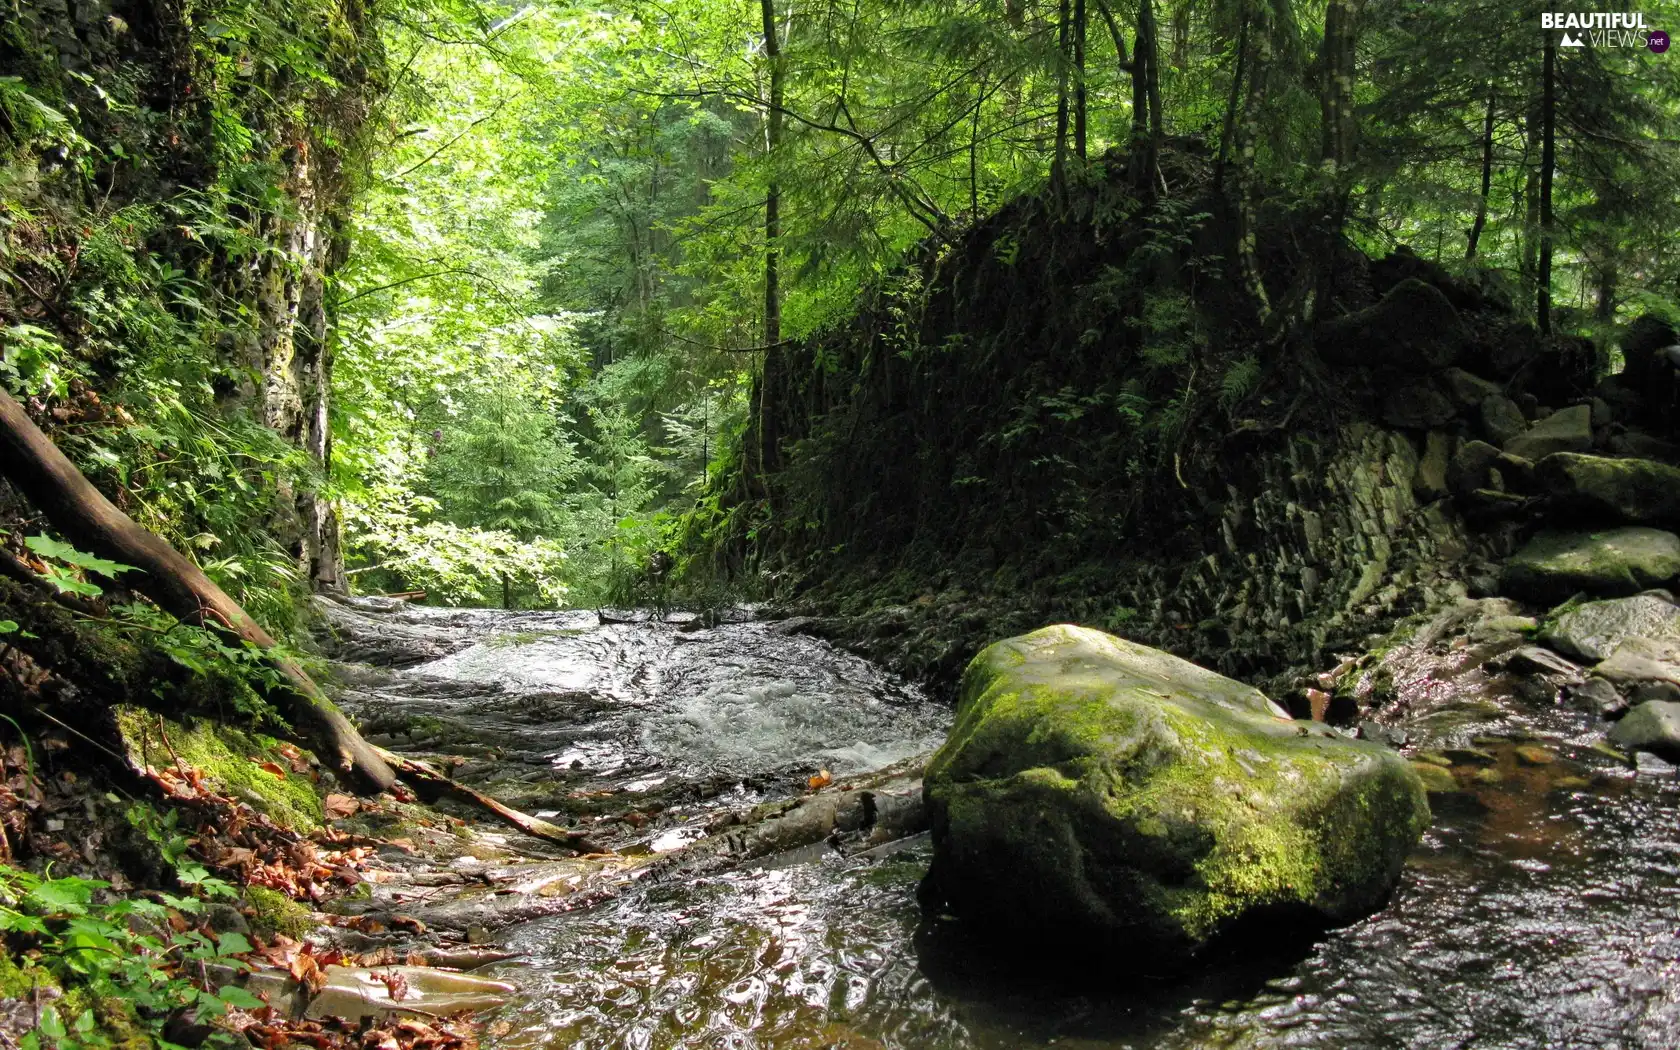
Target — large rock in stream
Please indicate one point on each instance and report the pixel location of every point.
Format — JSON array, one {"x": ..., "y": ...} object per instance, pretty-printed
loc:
[{"x": 1098, "y": 794}]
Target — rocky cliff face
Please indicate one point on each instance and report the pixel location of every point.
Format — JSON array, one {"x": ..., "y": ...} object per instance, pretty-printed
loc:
[
  {"x": 175, "y": 181},
  {"x": 1069, "y": 415}
]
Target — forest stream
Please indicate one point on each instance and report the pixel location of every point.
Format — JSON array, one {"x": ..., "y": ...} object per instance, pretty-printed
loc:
[{"x": 1538, "y": 911}]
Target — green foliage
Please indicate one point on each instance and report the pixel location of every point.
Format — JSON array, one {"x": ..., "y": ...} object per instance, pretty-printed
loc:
[{"x": 121, "y": 956}]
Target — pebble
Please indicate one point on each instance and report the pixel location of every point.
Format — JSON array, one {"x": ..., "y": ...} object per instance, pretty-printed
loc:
[{"x": 1533, "y": 755}]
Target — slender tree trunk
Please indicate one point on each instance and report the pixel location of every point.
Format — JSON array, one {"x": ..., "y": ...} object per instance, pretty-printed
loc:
[
  {"x": 1608, "y": 278},
  {"x": 1248, "y": 135},
  {"x": 1146, "y": 102},
  {"x": 39, "y": 471},
  {"x": 1228, "y": 134},
  {"x": 1480, "y": 223},
  {"x": 1079, "y": 79},
  {"x": 974, "y": 154},
  {"x": 507, "y": 592},
  {"x": 773, "y": 196},
  {"x": 1548, "y": 161},
  {"x": 1058, "y": 167},
  {"x": 1181, "y": 35}
]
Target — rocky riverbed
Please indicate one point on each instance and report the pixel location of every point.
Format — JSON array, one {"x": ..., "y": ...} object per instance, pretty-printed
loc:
[{"x": 755, "y": 901}]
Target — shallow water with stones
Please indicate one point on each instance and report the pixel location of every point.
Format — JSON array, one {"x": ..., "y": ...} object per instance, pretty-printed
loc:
[{"x": 1542, "y": 909}]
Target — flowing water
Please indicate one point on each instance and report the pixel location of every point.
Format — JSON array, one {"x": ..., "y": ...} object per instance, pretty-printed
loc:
[{"x": 1542, "y": 909}]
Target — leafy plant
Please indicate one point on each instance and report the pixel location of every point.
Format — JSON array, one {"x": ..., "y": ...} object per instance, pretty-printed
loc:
[{"x": 126, "y": 954}]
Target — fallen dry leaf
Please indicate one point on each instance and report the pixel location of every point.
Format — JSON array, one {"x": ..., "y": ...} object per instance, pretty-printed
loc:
[
  {"x": 339, "y": 806},
  {"x": 821, "y": 780}
]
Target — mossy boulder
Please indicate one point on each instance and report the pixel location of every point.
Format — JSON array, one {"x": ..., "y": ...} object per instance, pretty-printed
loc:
[
  {"x": 1610, "y": 564},
  {"x": 1637, "y": 491},
  {"x": 1414, "y": 328},
  {"x": 1100, "y": 794}
]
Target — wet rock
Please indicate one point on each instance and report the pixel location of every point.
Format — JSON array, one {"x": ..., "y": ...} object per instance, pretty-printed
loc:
[
  {"x": 1501, "y": 419},
  {"x": 1413, "y": 328},
  {"x": 1436, "y": 779},
  {"x": 1467, "y": 389},
  {"x": 1534, "y": 755},
  {"x": 1388, "y": 736},
  {"x": 1532, "y": 659},
  {"x": 1637, "y": 491},
  {"x": 1599, "y": 697},
  {"x": 1566, "y": 430},
  {"x": 1652, "y": 727},
  {"x": 1594, "y": 630},
  {"x": 1096, "y": 792},
  {"x": 1644, "y": 669},
  {"x": 1416, "y": 404},
  {"x": 1555, "y": 565}
]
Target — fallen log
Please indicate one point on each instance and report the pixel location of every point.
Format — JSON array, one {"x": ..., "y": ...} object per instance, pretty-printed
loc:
[
  {"x": 432, "y": 785},
  {"x": 82, "y": 514}
]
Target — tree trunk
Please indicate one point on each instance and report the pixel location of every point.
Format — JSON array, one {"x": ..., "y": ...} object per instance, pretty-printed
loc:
[
  {"x": 507, "y": 592},
  {"x": 1480, "y": 224},
  {"x": 89, "y": 521},
  {"x": 1146, "y": 102},
  {"x": 1079, "y": 79},
  {"x": 1058, "y": 166},
  {"x": 773, "y": 195},
  {"x": 1548, "y": 160}
]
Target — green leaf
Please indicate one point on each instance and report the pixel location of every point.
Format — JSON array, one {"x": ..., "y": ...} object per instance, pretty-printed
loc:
[
  {"x": 47, "y": 547},
  {"x": 232, "y": 943},
  {"x": 233, "y": 995},
  {"x": 52, "y": 1025},
  {"x": 65, "y": 895},
  {"x": 8, "y": 626}
]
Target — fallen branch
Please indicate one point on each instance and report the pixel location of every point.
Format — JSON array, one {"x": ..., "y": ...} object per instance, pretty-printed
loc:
[
  {"x": 431, "y": 785},
  {"x": 83, "y": 515}
]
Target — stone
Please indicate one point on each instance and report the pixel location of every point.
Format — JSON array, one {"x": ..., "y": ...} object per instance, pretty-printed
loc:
[
  {"x": 1599, "y": 697},
  {"x": 1467, "y": 389},
  {"x": 1637, "y": 491},
  {"x": 1652, "y": 727},
  {"x": 1097, "y": 794},
  {"x": 1437, "y": 780},
  {"x": 1413, "y": 328},
  {"x": 1640, "y": 445},
  {"x": 1388, "y": 736},
  {"x": 1416, "y": 404},
  {"x": 1566, "y": 430},
  {"x": 1642, "y": 346},
  {"x": 1511, "y": 347},
  {"x": 1470, "y": 465},
  {"x": 1610, "y": 564},
  {"x": 1602, "y": 414},
  {"x": 1593, "y": 630},
  {"x": 1430, "y": 480},
  {"x": 1534, "y": 755},
  {"x": 1501, "y": 419},
  {"x": 1644, "y": 669},
  {"x": 1531, "y": 659}
]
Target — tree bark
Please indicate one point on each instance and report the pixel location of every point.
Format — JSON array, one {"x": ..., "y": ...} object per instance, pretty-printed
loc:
[
  {"x": 1548, "y": 161},
  {"x": 89, "y": 521},
  {"x": 1480, "y": 223},
  {"x": 1079, "y": 78},
  {"x": 773, "y": 195},
  {"x": 1058, "y": 166}
]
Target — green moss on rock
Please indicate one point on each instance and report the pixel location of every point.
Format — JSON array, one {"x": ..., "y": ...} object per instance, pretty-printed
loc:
[
  {"x": 231, "y": 762},
  {"x": 274, "y": 912},
  {"x": 1095, "y": 789}
]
